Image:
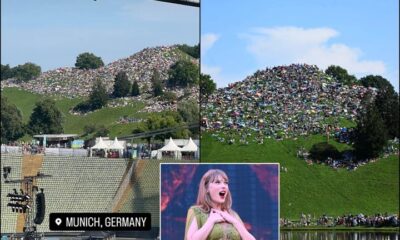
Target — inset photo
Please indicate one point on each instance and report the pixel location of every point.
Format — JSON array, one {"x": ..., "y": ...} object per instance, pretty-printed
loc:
[{"x": 219, "y": 201}]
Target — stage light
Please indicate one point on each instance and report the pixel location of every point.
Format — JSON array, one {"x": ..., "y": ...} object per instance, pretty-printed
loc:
[{"x": 7, "y": 170}]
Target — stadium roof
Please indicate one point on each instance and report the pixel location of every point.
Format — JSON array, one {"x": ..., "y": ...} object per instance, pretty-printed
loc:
[
  {"x": 56, "y": 136},
  {"x": 193, "y": 3}
]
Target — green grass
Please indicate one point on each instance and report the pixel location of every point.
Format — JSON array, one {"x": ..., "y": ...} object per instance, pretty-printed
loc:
[
  {"x": 341, "y": 229},
  {"x": 25, "y": 102},
  {"x": 316, "y": 189}
]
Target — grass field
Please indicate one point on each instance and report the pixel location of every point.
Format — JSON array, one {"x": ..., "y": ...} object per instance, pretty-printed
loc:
[
  {"x": 316, "y": 189},
  {"x": 25, "y": 102}
]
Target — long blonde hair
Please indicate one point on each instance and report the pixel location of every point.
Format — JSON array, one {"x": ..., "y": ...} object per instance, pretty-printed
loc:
[{"x": 203, "y": 197}]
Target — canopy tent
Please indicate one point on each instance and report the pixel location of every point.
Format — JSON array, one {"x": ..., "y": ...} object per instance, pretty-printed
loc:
[
  {"x": 116, "y": 149},
  {"x": 170, "y": 147},
  {"x": 190, "y": 146},
  {"x": 116, "y": 145},
  {"x": 99, "y": 145}
]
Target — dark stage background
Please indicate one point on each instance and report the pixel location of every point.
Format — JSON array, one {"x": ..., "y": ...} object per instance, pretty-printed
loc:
[{"x": 254, "y": 189}]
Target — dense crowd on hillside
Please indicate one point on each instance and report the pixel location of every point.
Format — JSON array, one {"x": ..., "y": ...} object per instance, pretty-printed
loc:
[
  {"x": 283, "y": 102},
  {"x": 74, "y": 82},
  {"x": 349, "y": 220}
]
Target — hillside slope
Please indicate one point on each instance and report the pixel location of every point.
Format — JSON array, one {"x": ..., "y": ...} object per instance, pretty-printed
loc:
[
  {"x": 73, "y": 82},
  {"x": 284, "y": 102},
  {"x": 316, "y": 189},
  {"x": 272, "y": 114}
]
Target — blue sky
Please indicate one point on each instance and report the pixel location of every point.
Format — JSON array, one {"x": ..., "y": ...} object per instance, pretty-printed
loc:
[
  {"x": 53, "y": 33},
  {"x": 239, "y": 37}
]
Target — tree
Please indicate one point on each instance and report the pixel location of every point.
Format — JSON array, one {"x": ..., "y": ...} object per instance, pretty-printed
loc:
[
  {"x": 386, "y": 101},
  {"x": 387, "y": 104},
  {"x": 166, "y": 120},
  {"x": 6, "y": 72},
  {"x": 183, "y": 73},
  {"x": 122, "y": 86},
  {"x": 157, "y": 85},
  {"x": 207, "y": 86},
  {"x": 46, "y": 118},
  {"x": 12, "y": 127},
  {"x": 101, "y": 131},
  {"x": 189, "y": 111},
  {"x": 376, "y": 81},
  {"x": 90, "y": 128},
  {"x": 135, "y": 89},
  {"x": 192, "y": 51},
  {"x": 88, "y": 61},
  {"x": 169, "y": 97},
  {"x": 370, "y": 135},
  {"x": 98, "y": 97},
  {"x": 157, "y": 89},
  {"x": 26, "y": 72},
  {"x": 341, "y": 75}
]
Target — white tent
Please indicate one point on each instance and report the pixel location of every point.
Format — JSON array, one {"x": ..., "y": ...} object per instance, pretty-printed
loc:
[
  {"x": 170, "y": 147},
  {"x": 99, "y": 145},
  {"x": 116, "y": 145},
  {"x": 190, "y": 146}
]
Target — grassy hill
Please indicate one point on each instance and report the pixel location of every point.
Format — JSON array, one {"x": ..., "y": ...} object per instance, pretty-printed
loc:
[
  {"x": 25, "y": 101},
  {"x": 316, "y": 189}
]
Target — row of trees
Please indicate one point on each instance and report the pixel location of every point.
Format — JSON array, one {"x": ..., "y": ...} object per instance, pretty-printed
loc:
[
  {"x": 182, "y": 73},
  {"x": 84, "y": 60},
  {"x": 379, "y": 122},
  {"x": 188, "y": 112},
  {"x": 22, "y": 73},
  {"x": 45, "y": 118},
  {"x": 29, "y": 71},
  {"x": 342, "y": 76}
]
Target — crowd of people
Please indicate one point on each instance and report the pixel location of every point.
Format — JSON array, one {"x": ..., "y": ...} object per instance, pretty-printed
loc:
[
  {"x": 376, "y": 220},
  {"x": 72, "y": 82},
  {"x": 349, "y": 220},
  {"x": 22, "y": 147},
  {"x": 284, "y": 102}
]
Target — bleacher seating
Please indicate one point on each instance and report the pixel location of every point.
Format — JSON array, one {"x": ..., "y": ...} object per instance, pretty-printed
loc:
[
  {"x": 80, "y": 184},
  {"x": 86, "y": 184},
  {"x": 9, "y": 218}
]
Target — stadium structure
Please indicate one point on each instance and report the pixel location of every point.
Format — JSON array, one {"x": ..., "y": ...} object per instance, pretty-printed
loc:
[{"x": 79, "y": 184}]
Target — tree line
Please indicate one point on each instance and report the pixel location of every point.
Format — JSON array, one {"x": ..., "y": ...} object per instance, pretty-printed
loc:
[
  {"x": 46, "y": 118},
  {"x": 182, "y": 74},
  {"x": 86, "y": 60},
  {"x": 22, "y": 73}
]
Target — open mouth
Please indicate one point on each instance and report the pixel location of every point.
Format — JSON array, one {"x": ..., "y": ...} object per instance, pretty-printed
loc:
[{"x": 222, "y": 194}]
